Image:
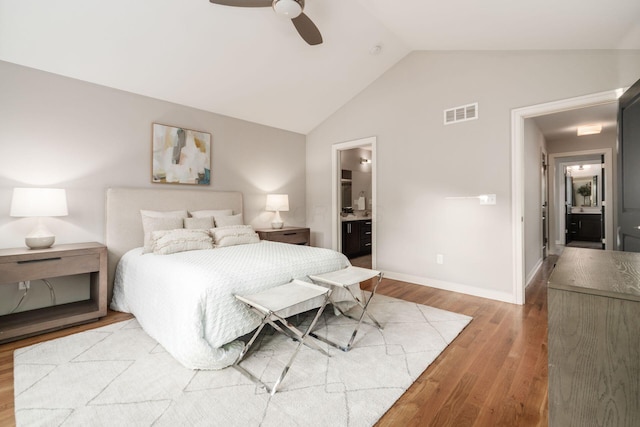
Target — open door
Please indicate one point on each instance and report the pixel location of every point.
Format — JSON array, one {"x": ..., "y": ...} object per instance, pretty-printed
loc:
[
  {"x": 568, "y": 202},
  {"x": 603, "y": 205},
  {"x": 545, "y": 205},
  {"x": 628, "y": 170}
]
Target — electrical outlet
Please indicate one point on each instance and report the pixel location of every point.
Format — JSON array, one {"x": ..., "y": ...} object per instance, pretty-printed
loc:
[
  {"x": 439, "y": 259},
  {"x": 24, "y": 285}
]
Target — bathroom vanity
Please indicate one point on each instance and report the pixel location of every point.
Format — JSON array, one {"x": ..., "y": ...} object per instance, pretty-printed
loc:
[{"x": 356, "y": 236}]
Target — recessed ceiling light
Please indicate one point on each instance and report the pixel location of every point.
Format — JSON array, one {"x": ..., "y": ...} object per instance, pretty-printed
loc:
[{"x": 589, "y": 130}]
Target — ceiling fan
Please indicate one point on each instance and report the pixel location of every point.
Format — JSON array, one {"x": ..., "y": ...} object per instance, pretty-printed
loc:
[{"x": 288, "y": 8}]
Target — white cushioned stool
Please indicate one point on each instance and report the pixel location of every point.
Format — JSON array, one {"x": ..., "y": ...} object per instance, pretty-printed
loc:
[
  {"x": 275, "y": 303},
  {"x": 343, "y": 279}
]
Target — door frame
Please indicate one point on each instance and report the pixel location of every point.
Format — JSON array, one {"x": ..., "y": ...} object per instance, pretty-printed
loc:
[
  {"x": 336, "y": 229},
  {"x": 556, "y": 161},
  {"x": 518, "y": 117}
]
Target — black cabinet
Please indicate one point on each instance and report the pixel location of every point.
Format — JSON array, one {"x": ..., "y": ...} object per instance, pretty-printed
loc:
[
  {"x": 356, "y": 238},
  {"x": 585, "y": 227}
]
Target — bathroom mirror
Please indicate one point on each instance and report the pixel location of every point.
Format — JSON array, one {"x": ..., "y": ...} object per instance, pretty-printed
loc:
[
  {"x": 345, "y": 186},
  {"x": 585, "y": 191}
]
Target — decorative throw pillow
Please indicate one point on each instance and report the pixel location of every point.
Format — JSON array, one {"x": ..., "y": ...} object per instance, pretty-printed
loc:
[
  {"x": 203, "y": 223},
  {"x": 160, "y": 220},
  {"x": 167, "y": 242},
  {"x": 234, "y": 235},
  {"x": 213, "y": 213},
  {"x": 151, "y": 224},
  {"x": 228, "y": 220}
]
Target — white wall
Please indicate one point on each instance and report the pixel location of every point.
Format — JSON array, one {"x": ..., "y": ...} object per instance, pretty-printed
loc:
[
  {"x": 61, "y": 132},
  {"x": 533, "y": 148},
  {"x": 421, "y": 161}
]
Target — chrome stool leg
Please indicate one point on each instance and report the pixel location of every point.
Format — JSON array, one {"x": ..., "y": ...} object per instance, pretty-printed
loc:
[
  {"x": 344, "y": 278},
  {"x": 267, "y": 304}
]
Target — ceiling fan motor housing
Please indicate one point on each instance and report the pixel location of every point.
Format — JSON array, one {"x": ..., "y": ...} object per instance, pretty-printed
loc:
[{"x": 288, "y": 8}]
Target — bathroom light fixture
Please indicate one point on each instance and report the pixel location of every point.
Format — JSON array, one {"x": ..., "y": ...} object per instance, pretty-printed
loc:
[
  {"x": 277, "y": 203},
  {"x": 39, "y": 202},
  {"x": 364, "y": 161},
  {"x": 589, "y": 130}
]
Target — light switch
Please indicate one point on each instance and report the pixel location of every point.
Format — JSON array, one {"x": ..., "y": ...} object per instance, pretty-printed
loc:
[{"x": 487, "y": 199}]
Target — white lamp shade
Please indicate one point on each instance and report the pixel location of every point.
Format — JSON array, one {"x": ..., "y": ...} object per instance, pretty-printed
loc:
[
  {"x": 277, "y": 202},
  {"x": 39, "y": 202}
]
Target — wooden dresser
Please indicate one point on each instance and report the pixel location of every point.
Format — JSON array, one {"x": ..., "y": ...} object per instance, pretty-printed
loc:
[{"x": 594, "y": 339}]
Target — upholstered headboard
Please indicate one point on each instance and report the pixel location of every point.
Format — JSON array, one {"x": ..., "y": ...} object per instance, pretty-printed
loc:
[{"x": 124, "y": 224}]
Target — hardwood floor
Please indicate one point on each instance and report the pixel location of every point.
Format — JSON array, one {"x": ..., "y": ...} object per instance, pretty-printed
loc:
[{"x": 493, "y": 374}]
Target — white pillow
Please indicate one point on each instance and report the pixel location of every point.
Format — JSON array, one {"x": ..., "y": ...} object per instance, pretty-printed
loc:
[
  {"x": 234, "y": 235},
  {"x": 203, "y": 223},
  {"x": 171, "y": 241},
  {"x": 213, "y": 213},
  {"x": 228, "y": 220},
  {"x": 151, "y": 224}
]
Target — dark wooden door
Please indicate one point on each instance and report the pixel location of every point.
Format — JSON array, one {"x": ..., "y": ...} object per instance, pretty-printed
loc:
[{"x": 629, "y": 170}]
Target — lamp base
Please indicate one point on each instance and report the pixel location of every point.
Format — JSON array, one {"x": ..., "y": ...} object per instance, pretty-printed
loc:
[
  {"x": 42, "y": 242},
  {"x": 277, "y": 221},
  {"x": 40, "y": 237}
]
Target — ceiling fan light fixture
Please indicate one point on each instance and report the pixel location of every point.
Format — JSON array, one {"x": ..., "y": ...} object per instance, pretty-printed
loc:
[{"x": 287, "y": 8}]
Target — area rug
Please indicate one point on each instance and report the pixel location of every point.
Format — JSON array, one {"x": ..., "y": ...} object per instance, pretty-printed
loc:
[{"x": 118, "y": 375}]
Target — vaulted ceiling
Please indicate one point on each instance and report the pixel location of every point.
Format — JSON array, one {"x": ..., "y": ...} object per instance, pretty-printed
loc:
[{"x": 251, "y": 64}]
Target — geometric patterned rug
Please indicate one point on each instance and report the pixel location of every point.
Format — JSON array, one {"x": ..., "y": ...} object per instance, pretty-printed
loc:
[{"x": 118, "y": 375}]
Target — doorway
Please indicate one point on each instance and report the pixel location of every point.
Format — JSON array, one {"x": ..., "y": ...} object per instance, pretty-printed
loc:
[
  {"x": 355, "y": 209},
  {"x": 580, "y": 211},
  {"x": 518, "y": 117}
]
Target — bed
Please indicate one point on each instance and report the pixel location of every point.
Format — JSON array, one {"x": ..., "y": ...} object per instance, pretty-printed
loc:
[{"x": 185, "y": 300}]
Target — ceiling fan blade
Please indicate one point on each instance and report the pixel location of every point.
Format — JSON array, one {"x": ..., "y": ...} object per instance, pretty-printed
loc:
[
  {"x": 307, "y": 29},
  {"x": 243, "y": 3}
]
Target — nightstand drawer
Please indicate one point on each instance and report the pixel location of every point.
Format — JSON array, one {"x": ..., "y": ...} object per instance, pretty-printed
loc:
[
  {"x": 292, "y": 235},
  {"x": 45, "y": 267}
]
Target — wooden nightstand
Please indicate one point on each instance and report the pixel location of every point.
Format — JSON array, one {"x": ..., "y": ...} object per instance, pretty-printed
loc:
[
  {"x": 294, "y": 235},
  {"x": 19, "y": 265}
]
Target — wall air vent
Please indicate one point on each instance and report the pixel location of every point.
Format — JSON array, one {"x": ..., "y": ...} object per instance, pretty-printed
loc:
[{"x": 461, "y": 114}]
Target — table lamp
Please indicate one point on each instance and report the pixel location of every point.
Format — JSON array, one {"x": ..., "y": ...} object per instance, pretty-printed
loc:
[
  {"x": 39, "y": 202},
  {"x": 277, "y": 203}
]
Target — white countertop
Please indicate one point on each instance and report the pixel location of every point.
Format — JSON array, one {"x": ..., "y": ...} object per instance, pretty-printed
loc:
[{"x": 354, "y": 218}]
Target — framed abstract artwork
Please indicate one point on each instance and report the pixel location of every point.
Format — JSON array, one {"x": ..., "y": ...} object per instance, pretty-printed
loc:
[{"x": 180, "y": 156}]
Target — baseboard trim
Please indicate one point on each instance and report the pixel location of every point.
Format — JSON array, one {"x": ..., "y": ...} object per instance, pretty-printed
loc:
[
  {"x": 533, "y": 273},
  {"x": 453, "y": 287}
]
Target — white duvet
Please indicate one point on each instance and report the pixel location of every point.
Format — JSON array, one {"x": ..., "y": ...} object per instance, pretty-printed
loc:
[{"x": 185, "y": 300}]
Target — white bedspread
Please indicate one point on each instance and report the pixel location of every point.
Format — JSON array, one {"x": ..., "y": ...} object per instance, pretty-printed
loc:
[{"x": 185, "y": 300}]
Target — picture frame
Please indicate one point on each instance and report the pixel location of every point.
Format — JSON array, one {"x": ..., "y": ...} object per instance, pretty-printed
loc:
[{"x": 180, "y": 155}]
